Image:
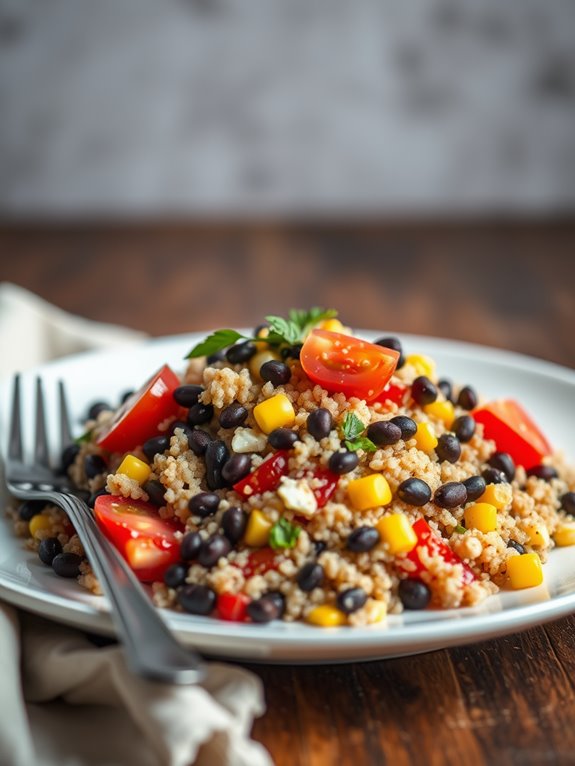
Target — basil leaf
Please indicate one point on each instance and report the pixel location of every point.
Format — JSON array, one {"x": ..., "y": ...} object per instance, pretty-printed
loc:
[
  {"x": 283, "y": 534},
  {"x": 84, "y": 438},
  {"x": 215, "y": 342},
  {"x": 307, "y": 319},
  {"x": 285, "y": 329},
  {"x": 362, "y": 443},
  {"x": 460, "y": 529},
  {"x": 352, "y": 426}
]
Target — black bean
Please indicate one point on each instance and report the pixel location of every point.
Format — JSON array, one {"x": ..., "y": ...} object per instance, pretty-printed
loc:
[
  {"x": 197, "y": 599},
  {"x": 241, "y": 352},
  {"x": 233, "y": 415},
  {"x": 475, "y": 486},
  {"x": 568, "y": 502},
  {"x": 362, "y": 539},
  {"x": 503, "y": 461},
  {"x": 448, "y": 448},
  {"x": 544, "y": 472},
  {"x": 204, "y": 504},
  {"x": 234, "y": 523},
  {"x": 450, "y": 495},
  {"x": 188, "y": 395},
  {"x": 414, "y": 594},
  {"x": 395, "y": 344},
  {"x": 213, "y": 549},
  {"x": 408, "y": 426},
  {"x": 446, "y": 388},
  {"x": 175, "y": 575},
  {"x": 464, "y": 428},
  {"x": 69, "y": 454},
  {"x": 467, "y": 398},
  {"x": 155, "y": 490},
  {"x": 423, "y": 390},
  {"x": 414, "y": 491},
  {"x": 291, "y": 352},
  {"x": 216, "y": 456},
  {"x": 96, "y": 408},
  {"x": 198, "y": 441},
  {"x": 518, "y": 547},
  {"x": 310, "y": 576},
  {"x": 351, "y": 599},
  {"x": 94, "y": 465},
  {"x": 494, "y": 476},
  {"x": 343, "y": 462},
  {"x": 185, "y": 427},
  {"x": 95, "y": 495},
  {"x": 268, "y": 607},
  {"x": 190, "y": 546},
  {"x": 217, "y": 356},
  {"x": 282, "y": 438},
  {"x": 67, "y": 564},
  {"x": 200, "y": 413},
  {"x": 319, "y": 423},
  {"x": 236, "y": 467},
  {"x": 48, "y": 549},
  {"x": 319, "y": 546},
  {"x": 275, "y": 372},
  {"x": 126, "y": 395},
  {"x": 384, "y": 432},
  {"x": 30, "y": 508},
  {"x": 157, "y": 445}
]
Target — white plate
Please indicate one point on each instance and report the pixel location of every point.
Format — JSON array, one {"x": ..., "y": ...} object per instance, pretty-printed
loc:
[{"x": 546, "y": 390}]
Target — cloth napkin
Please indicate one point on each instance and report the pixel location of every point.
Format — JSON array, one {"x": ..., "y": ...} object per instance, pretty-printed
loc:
[{"x": 66, "y": 701}]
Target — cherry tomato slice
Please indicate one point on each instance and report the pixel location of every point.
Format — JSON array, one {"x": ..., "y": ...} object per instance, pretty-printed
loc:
[
  {"x": 148, "y": 543},
  {"x": 513, "y": 431},
  {"x": 433, "y": 545},
  {"x": 341, "y": 363},
  {"x": 233, "y": 606},
  {"x": 397, "y": 393},
  {"x": 138, "y": 419},
  {"x": 266, "y": 477}
]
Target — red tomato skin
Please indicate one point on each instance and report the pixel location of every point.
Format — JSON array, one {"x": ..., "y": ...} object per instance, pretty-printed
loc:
[
  {"x": 139, "y": 418},
  {"x": 260, "y": 561},
  {"x": 266, "y": 476},
  {"x": 324, "y": 493},
  {"x": 395, "y": 393},
  {"x": 513, "y": 431},
  {"x": 124, "y": 521},
  {"x": 431, "y": 542},
  {"x": 232, "y": 606},
  {"x": 362, "y": 371}
]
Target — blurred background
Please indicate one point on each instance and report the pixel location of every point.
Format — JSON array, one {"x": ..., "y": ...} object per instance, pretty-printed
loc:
[{"x": 197, "y": 163}]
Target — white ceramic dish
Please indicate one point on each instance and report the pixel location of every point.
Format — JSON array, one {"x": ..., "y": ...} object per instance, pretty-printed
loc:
[{"x": 546, "y": 390}]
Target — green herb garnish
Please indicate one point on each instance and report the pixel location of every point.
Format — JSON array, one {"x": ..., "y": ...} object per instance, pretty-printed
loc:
[
  {"x": 361, "y": 443},
  {"x": 215, "y": 342},
  {"x": 84, "y": 438},
  {"x": 284, "y": 534},
  {"x": 351, "y": 429},
  {"x": 460, "y": 529}
]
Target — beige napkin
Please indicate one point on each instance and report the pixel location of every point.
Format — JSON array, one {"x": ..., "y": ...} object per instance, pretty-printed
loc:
[{"x": 66, "y": 702}]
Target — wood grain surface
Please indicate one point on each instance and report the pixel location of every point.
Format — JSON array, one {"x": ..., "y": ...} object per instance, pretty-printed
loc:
[{"x": 506, "y": 701}]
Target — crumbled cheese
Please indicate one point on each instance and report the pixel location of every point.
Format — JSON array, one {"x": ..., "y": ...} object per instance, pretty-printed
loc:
[
  {"x": 248, "y": 440},
  {"x": 298, "y": 496}
]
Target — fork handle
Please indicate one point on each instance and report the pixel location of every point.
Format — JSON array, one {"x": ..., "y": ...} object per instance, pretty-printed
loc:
[{"x": 151, "y": 649}]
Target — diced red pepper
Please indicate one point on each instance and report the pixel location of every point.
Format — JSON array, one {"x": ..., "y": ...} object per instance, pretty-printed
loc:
[
  {"x": 433, "y": 545},
  {"x": 395, "y": 393},
  {"x": 232, "y": 606},
  {"x": 324, "y": 493},
  {"x": 266, "y": 476},
  {"x": 260, "y": 561}
]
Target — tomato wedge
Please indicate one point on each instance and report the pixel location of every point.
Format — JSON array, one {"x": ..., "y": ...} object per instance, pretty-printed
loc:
[
  {"x": 266, "y": 477},
  {"x": 341, "y": 363},
  {"x": 433, "y": 545},
  {"x": 233, "y": 606},
  {"x": 148, "y": 543},
  {"x": 138, "y": 419},
  {"x": 397, "y": 393},
  {"x": 513, "y": 431}
]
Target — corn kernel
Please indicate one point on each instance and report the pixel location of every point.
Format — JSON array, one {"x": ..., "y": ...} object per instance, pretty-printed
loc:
[
  {"x": 442, "y": 411},
  {"x": 332, "y": 325},
  {"x": 397, "y": 532},
  {"x": 369, "y": 492},
  {"x": 525, "y": 571},
  {"x": 481, "y": 516},
  {"x": 538, "y": 535},
  {"x": 257, "y": 530},
  {"x": 263, "y": 356},
  {"x": 262, "y": 344},
  {"x": 423, "y": 365},
  {"x": 276, "y": 412},
  {"x": 38, "y": 523},
  {"x": 565, "y": 535},
  {"x": 425, "y": 437},
  {"x": 135, "y": 469},
  {"x": 326, "y": 616},
  {"x": 499, "y": 495}
]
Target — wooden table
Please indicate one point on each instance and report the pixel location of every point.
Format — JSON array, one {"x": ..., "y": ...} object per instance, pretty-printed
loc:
[{"x": 506, "y": 701}]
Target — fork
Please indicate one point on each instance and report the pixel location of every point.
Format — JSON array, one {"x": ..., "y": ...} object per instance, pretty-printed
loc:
[{"x": 151, "y": 650}]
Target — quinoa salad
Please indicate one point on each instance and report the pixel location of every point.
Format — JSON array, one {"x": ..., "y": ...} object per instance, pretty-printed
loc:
[{"x": 300, "y": 472}]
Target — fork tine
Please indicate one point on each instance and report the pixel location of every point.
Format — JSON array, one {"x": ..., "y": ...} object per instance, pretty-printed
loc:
[
  {"x": 41, "y": 452},
  {"x": 65, "y": 428},
  {"x": 15, "y": 450}
]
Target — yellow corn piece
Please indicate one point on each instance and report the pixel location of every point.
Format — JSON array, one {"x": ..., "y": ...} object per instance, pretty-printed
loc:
[
  {"x": 481, "y": 516},
  {"x": 538, "y": 535},
  {"x": 263, "y": 356},
  {"x": 134, "y": 468},
  {"x": 38, "y": 523},
  {"x": 565, "y": 535},
  {"x": 262, "y": 344},
  {"x": 423, "y": 365},
  {"x": 257, "y": 530},
  {"x": 442, "y": 411},
  {"x": 397, "y": 532},
  {"x": 525, "y": 571},
  {"x": 276, "y": 412},
  {"x": 326, "y": 616},
  {"x": 499, "y": 495},
  {"x": 425, "y": 438},
  {"x": 332, "y": 325},
  {"x": 369, "y": 492}
]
